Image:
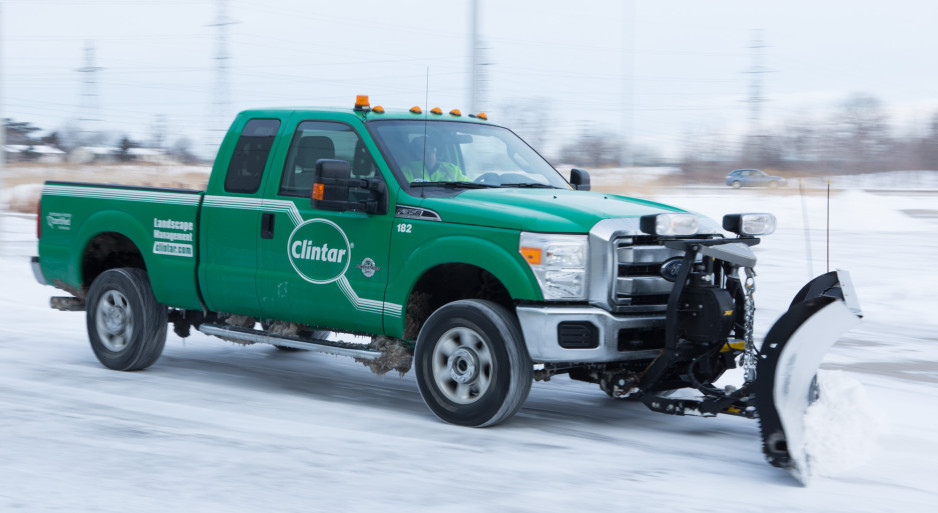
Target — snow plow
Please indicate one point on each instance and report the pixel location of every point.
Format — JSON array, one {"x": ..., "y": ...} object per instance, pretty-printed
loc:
[{"x": 708, "y": 329}]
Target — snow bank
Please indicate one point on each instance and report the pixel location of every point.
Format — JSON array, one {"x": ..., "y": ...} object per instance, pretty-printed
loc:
[
  {"x": 841, "y": 427},
  {"x": 21, "y": 198}
]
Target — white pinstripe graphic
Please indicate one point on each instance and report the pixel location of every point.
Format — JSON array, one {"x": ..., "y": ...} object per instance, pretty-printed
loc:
[
  {"x": 282, "y": 206},
  {"x": 173, "y": 198}
]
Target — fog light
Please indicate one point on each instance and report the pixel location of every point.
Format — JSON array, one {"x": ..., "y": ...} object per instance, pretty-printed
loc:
[
  {"x": 749, "y": 224},
  {"x": 669, "y": 224}
]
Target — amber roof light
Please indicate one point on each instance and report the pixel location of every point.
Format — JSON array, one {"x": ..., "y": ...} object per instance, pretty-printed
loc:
[{"x": 361, "y": 102}]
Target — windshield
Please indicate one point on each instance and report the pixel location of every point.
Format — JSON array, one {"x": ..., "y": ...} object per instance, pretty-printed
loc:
[{"x": 462, "y": 155}]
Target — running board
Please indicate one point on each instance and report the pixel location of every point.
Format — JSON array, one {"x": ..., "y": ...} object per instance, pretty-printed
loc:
[{"x": 311, "y": 344}]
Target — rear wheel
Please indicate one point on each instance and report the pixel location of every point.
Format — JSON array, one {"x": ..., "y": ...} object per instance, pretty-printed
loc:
[
  {"x": 472, "y": 366},
  {"x": 126, "y": 325},
  {"x": 736, "y": 184}
]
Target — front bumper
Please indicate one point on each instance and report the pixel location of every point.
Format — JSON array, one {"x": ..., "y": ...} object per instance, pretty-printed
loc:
[
  {"x": 541, "y": 326},
  {"x": 37, "y": 270}
]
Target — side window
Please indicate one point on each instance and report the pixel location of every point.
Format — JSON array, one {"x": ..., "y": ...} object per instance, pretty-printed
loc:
[
  {"x": 250, "y": 156},
  {"x": 316, "y": 140}
]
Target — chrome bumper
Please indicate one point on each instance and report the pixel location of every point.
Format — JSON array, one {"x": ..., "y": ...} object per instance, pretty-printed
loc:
[
  {"x": 539, "y": 324},
  {"x": 37, "y": 271}
]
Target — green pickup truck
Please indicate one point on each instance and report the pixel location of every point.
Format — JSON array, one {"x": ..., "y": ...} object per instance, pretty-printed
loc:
[{"x": 450, "y": 242}]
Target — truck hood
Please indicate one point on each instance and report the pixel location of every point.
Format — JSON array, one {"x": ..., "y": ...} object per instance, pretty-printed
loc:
[{"x": 539, "y": 210}]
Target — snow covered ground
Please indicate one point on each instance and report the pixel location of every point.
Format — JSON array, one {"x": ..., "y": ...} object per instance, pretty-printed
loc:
[{"x": 217, "y": 427}]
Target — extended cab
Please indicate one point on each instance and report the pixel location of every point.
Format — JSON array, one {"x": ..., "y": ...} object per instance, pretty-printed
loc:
[{"x": 446, "y": 238}]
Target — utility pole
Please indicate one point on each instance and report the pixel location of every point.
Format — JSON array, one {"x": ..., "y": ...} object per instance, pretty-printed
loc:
[
  {"x": 221, "y": 93},
  {"x": 89, "y": 115},
  {"x": 627, "y": 156},
  {"x": 477, "y": 74},
  {"x": 755, "y": 84},
  {"x": 3, "y": 122}
]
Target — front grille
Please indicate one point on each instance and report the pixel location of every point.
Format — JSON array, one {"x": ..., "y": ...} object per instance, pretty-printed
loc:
[{"x": 639, "y": 285}]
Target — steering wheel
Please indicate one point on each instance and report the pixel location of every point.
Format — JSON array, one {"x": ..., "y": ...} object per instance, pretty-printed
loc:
[{"x": 490, "y": 178}]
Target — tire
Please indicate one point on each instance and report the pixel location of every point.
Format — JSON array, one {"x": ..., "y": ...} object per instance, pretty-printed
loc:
[
  {"x": 736, "y": 184},
  {"x": 472, "y": 366},
  {"x": 773, "y": 185},
  {"x": 126, "y": 325}
]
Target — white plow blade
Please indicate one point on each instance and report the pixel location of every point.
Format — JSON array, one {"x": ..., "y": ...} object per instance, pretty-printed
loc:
[{"x": 797, "y": 365}]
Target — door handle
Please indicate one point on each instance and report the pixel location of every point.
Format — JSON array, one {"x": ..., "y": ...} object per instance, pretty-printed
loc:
[{"x": 267, "y": 225}]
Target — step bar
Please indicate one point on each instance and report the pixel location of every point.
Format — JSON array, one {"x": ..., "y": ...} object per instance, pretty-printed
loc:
[{"x": 262, "y": 337}]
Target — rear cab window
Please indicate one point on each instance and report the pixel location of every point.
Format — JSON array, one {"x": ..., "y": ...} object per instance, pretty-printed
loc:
[{"x": 250, "y": 156}]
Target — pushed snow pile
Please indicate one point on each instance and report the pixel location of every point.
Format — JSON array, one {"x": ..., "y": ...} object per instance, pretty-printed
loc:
[{"x": 840, "y": 427}]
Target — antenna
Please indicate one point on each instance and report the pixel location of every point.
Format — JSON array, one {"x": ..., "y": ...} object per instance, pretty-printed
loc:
[{"x": 426, "y": 112}]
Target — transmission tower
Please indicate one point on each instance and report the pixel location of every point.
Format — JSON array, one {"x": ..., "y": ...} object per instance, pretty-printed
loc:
[
  {"x": 221, "y": 93},
  {"x": 89, "y": 113},
  {"x": 755, "y": 83}
]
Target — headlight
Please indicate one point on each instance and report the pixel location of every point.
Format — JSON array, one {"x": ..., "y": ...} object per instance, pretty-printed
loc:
[
  {"x": 558, "y": 262},
  {"x": 749, "y": 224},
  {"x": 669, "y": 224}
]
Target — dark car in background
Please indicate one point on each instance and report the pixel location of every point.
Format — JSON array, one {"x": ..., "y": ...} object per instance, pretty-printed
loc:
[{"x": 752, "y": 178}]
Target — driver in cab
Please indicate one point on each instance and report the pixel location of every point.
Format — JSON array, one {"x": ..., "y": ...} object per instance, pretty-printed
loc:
[{"x": 431, "y": 168}]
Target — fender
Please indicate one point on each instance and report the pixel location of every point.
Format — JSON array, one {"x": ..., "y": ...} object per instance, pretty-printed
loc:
[
  {"x": 165, "y": 277},
  {"x": 508, "y": 267}
]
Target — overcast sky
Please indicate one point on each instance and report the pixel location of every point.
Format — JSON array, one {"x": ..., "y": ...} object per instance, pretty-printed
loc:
[{"x": 652, "y": 69}]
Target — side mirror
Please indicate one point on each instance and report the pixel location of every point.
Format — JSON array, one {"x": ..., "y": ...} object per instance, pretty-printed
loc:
[
  {"x": 331, "y": 185},
  {"x": 580, "y": 179}
]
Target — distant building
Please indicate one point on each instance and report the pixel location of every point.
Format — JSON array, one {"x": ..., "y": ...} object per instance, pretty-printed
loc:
[
  {"x": 33, "y": 153},
  {"x": 94, "y": 155},
  {"x": 152, "y": 155}
]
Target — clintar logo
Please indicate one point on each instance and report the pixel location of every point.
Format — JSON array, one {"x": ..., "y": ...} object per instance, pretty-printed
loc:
[
  {"x": 319, "y": 251},
  {"x": 308, "y": 250}
]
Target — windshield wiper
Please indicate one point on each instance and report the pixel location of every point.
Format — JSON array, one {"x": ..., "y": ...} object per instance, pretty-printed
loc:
[
  {"x": 531, "y": 185},
  {"x": 454, "y": 185}
]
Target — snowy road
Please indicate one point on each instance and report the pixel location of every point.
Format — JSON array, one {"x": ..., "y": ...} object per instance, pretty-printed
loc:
[{"x": 217, "y": 427}]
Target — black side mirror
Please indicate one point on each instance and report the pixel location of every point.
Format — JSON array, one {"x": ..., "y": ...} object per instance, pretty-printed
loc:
[
  {"x": 330, "y": 184},
  {"x": 580, "y": 179},
  {"x": 332, "y": 181}
]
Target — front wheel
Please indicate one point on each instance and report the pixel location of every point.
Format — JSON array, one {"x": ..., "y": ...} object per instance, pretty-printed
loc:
[
  {"x": 126, "y": 325},
  {"x": 472, "y": 366},
  {"x": 736, "y": 184}
]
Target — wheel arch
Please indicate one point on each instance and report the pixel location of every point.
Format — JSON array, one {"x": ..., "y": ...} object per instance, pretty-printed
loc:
[
  {"x": 102, "y": 249},
  {"x": 502, "y": 278}
]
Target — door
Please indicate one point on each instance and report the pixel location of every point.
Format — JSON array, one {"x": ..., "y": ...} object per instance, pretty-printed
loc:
[
  {"x": 230, "y": 219},
  {"x": 320, "y": 267}
]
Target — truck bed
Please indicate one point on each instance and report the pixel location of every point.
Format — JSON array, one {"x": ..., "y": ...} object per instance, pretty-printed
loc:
[{"x": 149, "y": 226}]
